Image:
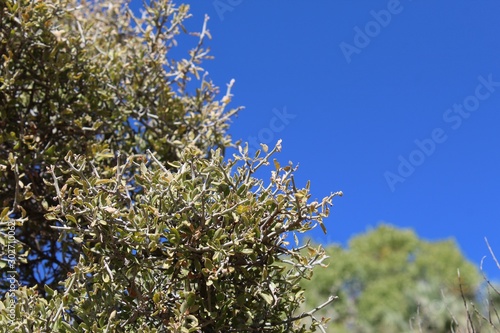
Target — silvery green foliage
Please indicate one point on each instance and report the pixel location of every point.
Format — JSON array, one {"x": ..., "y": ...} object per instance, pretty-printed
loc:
[
  {"x": 92, "y": 78},
  {"x": 198, "y": 246},
  {"x": 127, "y": 217}
]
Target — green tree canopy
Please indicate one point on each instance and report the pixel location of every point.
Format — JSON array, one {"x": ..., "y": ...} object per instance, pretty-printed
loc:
[
  {"x": 389, "y": 280},
  {"x": 118, "y": 209}
]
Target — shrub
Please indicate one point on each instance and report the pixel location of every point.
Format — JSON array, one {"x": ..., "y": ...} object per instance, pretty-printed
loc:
[{"x": 126, "y": 216}]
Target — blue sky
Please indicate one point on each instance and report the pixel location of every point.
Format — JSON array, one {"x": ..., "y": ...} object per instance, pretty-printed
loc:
[{"x": 396, "y": 103}]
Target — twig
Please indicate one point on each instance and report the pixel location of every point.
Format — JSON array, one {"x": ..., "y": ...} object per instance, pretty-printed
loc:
[
  {"x": 469, "y": 318},
  {"x": 309, "y": 313},
  {"x": 109, "y": 270},
  {"x": 492, "y": 253},
  {"x": 58, "y": 191},
  {"x": 59, "y": 311},
  {"x": 17, "y": 193},
  {"x": 156, "y": 160}
]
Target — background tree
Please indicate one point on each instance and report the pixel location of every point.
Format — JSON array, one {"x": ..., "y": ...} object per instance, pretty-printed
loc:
[
  {"x": 126, "y": 215},
  {"x": 390, "y": 280}
]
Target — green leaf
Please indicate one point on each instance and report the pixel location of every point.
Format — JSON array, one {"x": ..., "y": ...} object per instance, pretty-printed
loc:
[
  {"x": 175, "y": 165},
  {"x": 322, "y": 227},
  {"x": 218, "y": 233},
  {"x": 267, "y": 298},
  {"x": 50, "y": 216},
  {"x": 104, "y": 181},
  {"x": 4, "y": 213},
  {"x": 189, "y": 301},
  {"x": 49, "y": 291},
  {"x": 70, "y": 218},
  {"x": 144, "y": 170},
  {"x": 242, "y": 209},
  {"x": 174, "y": 236},
  {"x": 157, "y": 297},
  {"x": 209, "y": 264},
  {"x": 190, "y": 298}
]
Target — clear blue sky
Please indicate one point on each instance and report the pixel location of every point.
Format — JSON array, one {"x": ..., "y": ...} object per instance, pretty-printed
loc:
[{"x": 360, "y": 82}]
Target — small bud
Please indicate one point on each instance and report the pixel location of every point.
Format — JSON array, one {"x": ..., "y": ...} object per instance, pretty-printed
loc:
[{"x": 226, "y": 99}]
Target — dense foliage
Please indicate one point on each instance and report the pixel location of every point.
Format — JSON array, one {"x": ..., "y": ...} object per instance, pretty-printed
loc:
[{"x": 119, "y": 212}]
